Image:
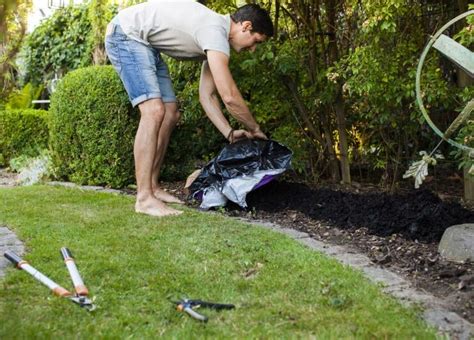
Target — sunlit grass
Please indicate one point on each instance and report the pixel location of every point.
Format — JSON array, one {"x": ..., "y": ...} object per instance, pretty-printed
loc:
[{"x": 133, "y": 264}]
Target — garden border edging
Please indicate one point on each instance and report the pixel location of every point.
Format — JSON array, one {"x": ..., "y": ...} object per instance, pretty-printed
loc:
[{"x": 436, "y": 313}]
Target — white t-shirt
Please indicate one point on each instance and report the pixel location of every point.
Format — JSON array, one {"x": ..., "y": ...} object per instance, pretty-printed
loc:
[{"x": 179, "y": 29}]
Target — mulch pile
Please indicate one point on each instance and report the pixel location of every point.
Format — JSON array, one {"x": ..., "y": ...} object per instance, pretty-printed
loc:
[{"x": 417, "y": 215}]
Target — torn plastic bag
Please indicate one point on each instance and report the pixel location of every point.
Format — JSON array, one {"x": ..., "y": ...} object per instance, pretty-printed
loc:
[{"x": 238, "y": 169}]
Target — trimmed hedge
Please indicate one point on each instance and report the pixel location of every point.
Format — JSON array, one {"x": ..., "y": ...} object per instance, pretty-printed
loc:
[
  {"x": 22, "y": 132},
  {"x": 93, "y": 127}
]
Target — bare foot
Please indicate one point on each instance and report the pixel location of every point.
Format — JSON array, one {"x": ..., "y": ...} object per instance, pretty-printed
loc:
[
  {"x": 154, "y": 207},
  {"x": 166, "y": 197}
]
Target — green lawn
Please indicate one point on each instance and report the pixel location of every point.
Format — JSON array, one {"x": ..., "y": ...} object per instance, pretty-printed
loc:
[{"x": 133, "y": 264}]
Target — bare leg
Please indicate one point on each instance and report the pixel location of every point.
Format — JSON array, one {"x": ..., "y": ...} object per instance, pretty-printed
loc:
[
  {"x": 152, "y": 113},
  {"x": 169, "y": 122}
]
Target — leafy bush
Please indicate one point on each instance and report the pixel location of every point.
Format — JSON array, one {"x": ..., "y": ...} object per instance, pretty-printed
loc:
[
  {"x": 196, "y": 138},
  {"x": 31, "y": 170},
  {"x": 22, "y": 132},
  {"x": 92, "y": 128},
  {"x": 23, "y": 98}
]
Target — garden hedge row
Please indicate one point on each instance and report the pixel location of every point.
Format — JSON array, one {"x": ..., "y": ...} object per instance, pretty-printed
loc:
[
  {"x": 92, "y": 128},
  {"x": 22, "y": 132}
]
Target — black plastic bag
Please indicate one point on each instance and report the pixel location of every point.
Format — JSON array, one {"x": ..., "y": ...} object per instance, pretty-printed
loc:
[{"x": 238, "y": 169}]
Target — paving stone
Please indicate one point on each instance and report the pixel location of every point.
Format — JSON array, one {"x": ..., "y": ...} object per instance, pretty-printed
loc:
[
  {"x": 294, "y": 233},
  {"x": 8, "y": 241},
  {"x": 4, "y": 231},
  {"x": 63, "y": 184},
  {"x": 449, "y": 322},
  {"x": 92, "y": 188},
  {"x": 380, "y": 275},
  {"x": 355, "y": 259},
  {"x": 113, "y": 191}
]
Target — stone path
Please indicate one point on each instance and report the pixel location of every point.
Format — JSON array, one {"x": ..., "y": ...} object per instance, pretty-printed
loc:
[
  {"x": 436, "y": 311},
  {"x": 8, "y": 241},
  {"x": 7, "y": 179}
]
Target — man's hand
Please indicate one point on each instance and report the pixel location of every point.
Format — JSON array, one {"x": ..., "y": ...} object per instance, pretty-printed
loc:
[
  {"x": 237, "y": 135},
  {"x": 258, "y": 134}
]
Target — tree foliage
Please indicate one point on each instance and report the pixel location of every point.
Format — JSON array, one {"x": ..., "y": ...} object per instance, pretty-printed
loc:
[
  {"x": 71, "y": 38},
  {"x": 380, "y": 85},
  {"x": 58, "y": 44},
  {"x": 100, "y": 13},
  {"x": 336, "y": 83}
]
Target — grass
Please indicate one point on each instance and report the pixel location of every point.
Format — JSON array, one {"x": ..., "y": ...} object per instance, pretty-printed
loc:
[{"x": 133, "y": 264}]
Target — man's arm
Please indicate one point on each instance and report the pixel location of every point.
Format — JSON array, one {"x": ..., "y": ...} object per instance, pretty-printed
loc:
[
  {"x": 216, "y": 75},
  {"x": 210, "y": 102}
]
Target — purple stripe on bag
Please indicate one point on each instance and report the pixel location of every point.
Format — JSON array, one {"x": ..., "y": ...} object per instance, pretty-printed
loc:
[
  {"x": 199, "y": 195},
  {"x": 265, "y": 180}
]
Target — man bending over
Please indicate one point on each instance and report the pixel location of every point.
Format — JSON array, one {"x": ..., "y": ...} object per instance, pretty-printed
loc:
[{"x": 184, "y": 30}]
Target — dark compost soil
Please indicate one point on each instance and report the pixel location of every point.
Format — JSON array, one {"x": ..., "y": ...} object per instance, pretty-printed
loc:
[{"x": 398, "y": 231}]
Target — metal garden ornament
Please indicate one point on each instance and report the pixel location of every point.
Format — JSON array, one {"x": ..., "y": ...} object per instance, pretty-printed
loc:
[{"x": 463, "y": 58}]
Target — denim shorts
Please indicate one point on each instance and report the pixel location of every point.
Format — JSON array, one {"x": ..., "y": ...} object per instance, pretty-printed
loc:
[{"x": 143, "y": 72}]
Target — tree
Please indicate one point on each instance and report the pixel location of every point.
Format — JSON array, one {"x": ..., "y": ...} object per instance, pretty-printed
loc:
[
  {"x": 13, "y": 15},
  {"x": 314, "y": 22},
  {"x": 100, "y": 13}
]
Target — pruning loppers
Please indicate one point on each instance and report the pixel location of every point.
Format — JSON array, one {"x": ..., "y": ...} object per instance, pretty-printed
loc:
[
  {"x": 187, "y": 305},
  {"x": 80, "y": 297}
]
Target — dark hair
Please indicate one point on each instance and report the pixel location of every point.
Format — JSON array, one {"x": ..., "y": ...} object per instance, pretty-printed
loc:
[{"x": 260, "y": 19}]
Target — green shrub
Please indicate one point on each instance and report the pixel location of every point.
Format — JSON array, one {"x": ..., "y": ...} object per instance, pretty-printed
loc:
[
  {"x": 92, "y": 128},
  {"x": 22, "y": 132}
]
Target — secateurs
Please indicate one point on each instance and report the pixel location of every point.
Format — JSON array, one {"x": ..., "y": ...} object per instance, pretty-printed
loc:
[
  {"x": 80, "y": 297},
  {"x": 187, "y": 305}
]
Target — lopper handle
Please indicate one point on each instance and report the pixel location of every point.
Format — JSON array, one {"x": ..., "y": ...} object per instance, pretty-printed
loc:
[
  {"x": 79, "y": 285},
  {"x": 13, "y": 258},
  {"x": 66, "y": 253},
  {"x": 22, "y": 264}
]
